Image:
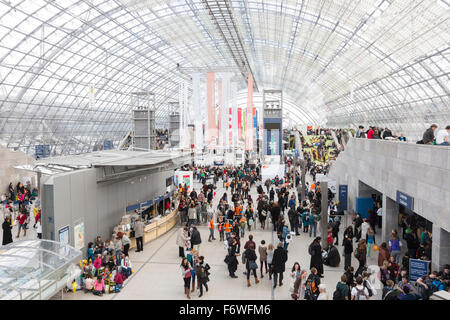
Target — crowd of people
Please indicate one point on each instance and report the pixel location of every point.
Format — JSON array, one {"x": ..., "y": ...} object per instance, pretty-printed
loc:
[
  {"x": 374, "y": 132},
  {"x": 280, "y": 208},
  {"x": 434, "y": 136},
  {"x": 431, "y": 136},
  {"x": 17, "y": 205}
]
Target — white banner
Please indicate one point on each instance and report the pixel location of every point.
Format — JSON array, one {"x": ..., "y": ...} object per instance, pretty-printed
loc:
[
  {"x": 198, "y": 111},
  {"x": 270, "y": 171}
]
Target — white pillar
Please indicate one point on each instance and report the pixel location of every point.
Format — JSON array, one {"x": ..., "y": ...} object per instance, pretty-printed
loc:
[
  {"x": 389, "y": 218},
  {"x": 440, "y": 250}
]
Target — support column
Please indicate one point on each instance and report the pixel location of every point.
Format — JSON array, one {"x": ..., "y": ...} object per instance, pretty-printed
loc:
[
  {"x": 324, "y": 214},
  {"x": 303, "y": 173},
  {"x": 389, "y": 218},
  {"x": 440, "y": 250}
]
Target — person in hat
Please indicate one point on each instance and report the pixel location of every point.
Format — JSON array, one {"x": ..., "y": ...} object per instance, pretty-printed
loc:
[{"x": 315, "y": 250}]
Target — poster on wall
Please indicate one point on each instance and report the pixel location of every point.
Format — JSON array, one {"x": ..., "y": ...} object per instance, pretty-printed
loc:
[
  {"x": 184, "y": 178},
  {"x": 63, "y": 235},
  {"x": 78, "y": 234}
]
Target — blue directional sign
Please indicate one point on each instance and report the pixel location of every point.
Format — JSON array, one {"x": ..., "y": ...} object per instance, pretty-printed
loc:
[
  {"x": 343, "y": 192},
  {"x": 405, "y": 200},
  {"x": 418, "y": 268}
]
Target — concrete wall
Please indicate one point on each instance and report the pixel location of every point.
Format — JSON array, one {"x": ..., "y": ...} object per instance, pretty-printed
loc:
[
  {"x": 9, "y": 159},
  {"x": 421, "y": 171},
  {"x": 78, "y": 197}
]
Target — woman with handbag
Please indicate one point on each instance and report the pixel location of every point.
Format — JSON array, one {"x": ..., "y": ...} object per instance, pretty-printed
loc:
[
  {"x": 186, "y": 274},
  {"x": 251, "y": 265}
]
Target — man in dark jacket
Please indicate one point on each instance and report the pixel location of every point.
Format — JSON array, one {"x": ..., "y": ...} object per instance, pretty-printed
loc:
[
  {"x": 275, "y": 214},
  {"x": 293, "y": 220},
  {"x": 315, "y": 250},
  {"x": 428, "y": 135},
  {"x": 195, "y": 239},
  {"x": 279, "y": 263}
]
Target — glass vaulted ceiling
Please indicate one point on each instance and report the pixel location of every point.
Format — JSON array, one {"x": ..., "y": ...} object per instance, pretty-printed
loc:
[{"x": 339, "y": 62}]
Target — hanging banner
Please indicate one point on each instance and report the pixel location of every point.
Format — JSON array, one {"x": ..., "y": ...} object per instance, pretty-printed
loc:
[
  {"x": 249, "y": 114},
  {"x": 239, "y": 123},
  {"x": 210, "y": 97},
  {"x": 225, "y": 116},
  {"x": 219, "y": 104},
  {"x": 198, "y": 111},
  {"x": 234, "y": 124}
]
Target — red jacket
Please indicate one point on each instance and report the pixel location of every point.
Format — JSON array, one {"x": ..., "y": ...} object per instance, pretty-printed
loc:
[{"x": 22, "y": 218}]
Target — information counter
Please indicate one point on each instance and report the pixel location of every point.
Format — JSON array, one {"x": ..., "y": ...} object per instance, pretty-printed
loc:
[{"x": 157, "y": 228}]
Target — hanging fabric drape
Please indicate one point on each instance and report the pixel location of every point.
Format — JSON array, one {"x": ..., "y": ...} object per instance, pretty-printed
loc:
[
  {"x": 198, "y": 123},
  {"x": 249, "y": 115},
  {"x": 225, "y": 105},
  {"x": 210, "y": 96}
]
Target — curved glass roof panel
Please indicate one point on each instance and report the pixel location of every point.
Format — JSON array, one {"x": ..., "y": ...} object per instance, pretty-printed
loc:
[
  {"x": 33, "y": 269},
  {"x": 67, "y": 68}
]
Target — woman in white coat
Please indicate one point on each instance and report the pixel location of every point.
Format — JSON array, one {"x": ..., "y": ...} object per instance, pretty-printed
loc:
[{"x": 182, "y": 238}]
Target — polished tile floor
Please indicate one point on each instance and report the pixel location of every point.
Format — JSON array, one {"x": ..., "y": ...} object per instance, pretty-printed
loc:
[{"x": 157, "y": 269}]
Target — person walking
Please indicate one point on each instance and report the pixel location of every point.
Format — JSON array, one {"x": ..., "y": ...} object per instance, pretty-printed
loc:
[
  {"x": 315, "y": 250},
  {"x": 182, "y": 237},
  {"x": 7, "y": 234},
  {"x": 211, "y": 230},
  {"x": 279, "y": 264},
  {"x": 395, "y": 246},
  {"x": 139, "y": 234},
  {"x": 270, "y": 251},
  {"x": 125, "y": 243},
  {"x": 231, "y": 259},
  {"x": 348, "y": 250},
  {"x": 251, "y": 265},
  {"x": 361, "y": 255},
  {"x": 313, "y": 220},
  {"x": 39, "y": 229},
  {"x": 383, "y": 254},
  {"x": 370, "y": 241},
  {"x": 22, "y": 219},
  {"x": 196, "y": 239},
  {"x": 186, "y": 274},
  {"x": 262, "y": 250}
]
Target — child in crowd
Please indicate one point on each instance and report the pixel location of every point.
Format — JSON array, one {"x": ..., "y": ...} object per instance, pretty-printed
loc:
[
  {"x": 88, "y": 284},
  {"x": 99, "y": 287}
]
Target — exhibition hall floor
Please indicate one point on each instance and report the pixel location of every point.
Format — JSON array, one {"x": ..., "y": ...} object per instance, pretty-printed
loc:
[{"x": 157, "y": 269}]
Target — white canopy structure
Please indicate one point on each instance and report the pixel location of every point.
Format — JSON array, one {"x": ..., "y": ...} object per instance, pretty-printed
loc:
[{"x": 67, "y": 67}]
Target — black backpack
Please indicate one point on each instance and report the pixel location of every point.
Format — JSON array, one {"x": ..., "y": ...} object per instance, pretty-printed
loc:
[
  {"x": 368, "y": 288},
  {"x": 337, "y": 295}
]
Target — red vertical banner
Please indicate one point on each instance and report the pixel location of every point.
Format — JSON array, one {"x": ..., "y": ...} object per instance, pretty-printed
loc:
[
  {"x": 210, "y": 96},
  {"x": 219, "y": 102},
  {"x": 250, "y": 115},
  {"x": 230, "y": 127},
  {"x": 239, "y": 118}
]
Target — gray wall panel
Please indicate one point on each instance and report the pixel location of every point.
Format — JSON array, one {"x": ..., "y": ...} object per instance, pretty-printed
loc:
[{"x": 78, "y": 196}]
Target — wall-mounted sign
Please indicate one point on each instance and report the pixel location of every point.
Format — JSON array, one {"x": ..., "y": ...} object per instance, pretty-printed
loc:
[
  {"x": 343, "y": 193},
  {"x": 64, "y": 235},
  {"x": 405, "y": 200},
  {"x": 78, "y": 235},
  {"x": 418, "y": 268}
]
